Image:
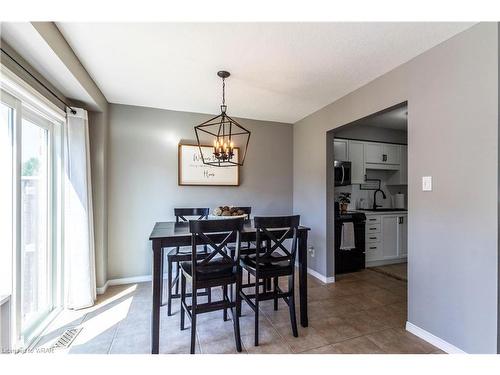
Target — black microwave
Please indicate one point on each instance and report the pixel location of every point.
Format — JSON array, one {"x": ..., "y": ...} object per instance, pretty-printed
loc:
[{"x": 342, "y": 172}]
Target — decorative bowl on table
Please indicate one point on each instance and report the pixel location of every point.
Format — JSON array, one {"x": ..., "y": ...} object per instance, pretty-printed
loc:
[{"x": 227, "y": 212}]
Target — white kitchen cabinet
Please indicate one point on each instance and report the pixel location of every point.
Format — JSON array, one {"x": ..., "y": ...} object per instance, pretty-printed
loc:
[
  {"x": 386, "y": 238},
  {"x": 382, "y": 153},
  {"x": 373, "y": 153},
  {"x": 357, "y": 159},
  {"x": 403, "y": 236},
  {"x": 391, "y": 153},
  {"x": 340, "y": 149},
  {"x": 400, "y": 177},
  {"x": 390, "y": 227}
]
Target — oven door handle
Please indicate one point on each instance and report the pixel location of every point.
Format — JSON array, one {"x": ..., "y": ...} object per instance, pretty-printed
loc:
[{"x": 343, "y": 175}]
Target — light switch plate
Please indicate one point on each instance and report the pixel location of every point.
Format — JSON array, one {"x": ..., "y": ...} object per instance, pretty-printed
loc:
[{"x": 427, "y": 183}]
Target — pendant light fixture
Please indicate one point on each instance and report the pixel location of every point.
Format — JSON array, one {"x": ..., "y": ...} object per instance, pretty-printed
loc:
[{"x": 226, "y": 136}]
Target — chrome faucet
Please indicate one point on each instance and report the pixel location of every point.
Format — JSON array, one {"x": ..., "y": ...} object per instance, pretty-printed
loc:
[{"x": 375, "y": 205}]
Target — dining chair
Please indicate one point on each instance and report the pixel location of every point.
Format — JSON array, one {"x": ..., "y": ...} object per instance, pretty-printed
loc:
[
  {"x": 178, "y": 254},
  {"x": 219, "y": 268},
  {"x": 271, "y": 260}
]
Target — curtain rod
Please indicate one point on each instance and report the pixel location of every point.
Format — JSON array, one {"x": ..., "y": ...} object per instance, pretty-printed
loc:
[{"x": 40, "y": 82}]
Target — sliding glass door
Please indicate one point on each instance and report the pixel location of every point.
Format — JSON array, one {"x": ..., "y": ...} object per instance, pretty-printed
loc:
[
  {"x": 7, "y": 115},
  {"x": 36, "y": 254},
  {"x": 28, "y": 226}
]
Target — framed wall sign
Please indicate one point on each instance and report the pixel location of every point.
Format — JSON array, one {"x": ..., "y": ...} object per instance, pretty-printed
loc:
[{"x": 192, "y": 171}]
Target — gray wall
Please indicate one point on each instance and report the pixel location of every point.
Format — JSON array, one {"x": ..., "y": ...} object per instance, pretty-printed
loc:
[
  {"x": 143, "y": 178},
  {"x": 452, "y": 93}
]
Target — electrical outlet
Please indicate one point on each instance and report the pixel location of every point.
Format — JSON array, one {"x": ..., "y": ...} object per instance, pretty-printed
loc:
[
  {"x": 427, "y": 183},
  {"x": 311, "y": 251}
]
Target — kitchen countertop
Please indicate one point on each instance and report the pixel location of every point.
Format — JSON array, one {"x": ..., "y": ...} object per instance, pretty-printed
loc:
[{"x": 399, "y": 212}]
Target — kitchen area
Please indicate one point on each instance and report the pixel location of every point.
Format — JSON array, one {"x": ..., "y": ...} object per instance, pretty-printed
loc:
[{"x": 370, "y": 185}]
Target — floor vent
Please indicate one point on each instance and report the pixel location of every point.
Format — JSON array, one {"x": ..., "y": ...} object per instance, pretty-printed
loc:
[{"x": 67, "y": 338}]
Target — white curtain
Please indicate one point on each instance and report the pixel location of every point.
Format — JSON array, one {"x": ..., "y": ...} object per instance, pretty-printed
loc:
[{"x": 80, "y": 282}]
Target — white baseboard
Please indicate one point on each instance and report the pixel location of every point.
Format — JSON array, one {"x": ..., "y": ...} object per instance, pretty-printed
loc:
[
  {"x": 122, "y": 281},
  {"x": 434, "y": 340},
  {"x": 320, "y": 277},
  {"x": 144, "y": 278},
  {"x": 102, "y": 289}
]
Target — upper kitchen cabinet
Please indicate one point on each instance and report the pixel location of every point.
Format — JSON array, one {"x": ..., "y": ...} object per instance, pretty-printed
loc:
[
  {"x": 382, "y": 153},
  {"x": 357, "y": 159},
  {"x": 340, "y": 149},
  {"x": 400, "y": 177}
]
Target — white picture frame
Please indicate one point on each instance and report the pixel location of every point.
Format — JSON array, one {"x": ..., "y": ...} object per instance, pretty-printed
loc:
[{"x": 193, "y": 172}]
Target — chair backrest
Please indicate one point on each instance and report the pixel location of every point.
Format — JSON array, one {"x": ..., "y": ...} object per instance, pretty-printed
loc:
[
  {"x": 217, "y": 234},
  {"x": 247, "y": 211},
  {"x": 268, "y": 230},
  {"x": 181, "y": 213}
]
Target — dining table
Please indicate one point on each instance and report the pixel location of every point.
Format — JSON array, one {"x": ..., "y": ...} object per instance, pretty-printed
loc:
[{"x": 170, "y": 234}]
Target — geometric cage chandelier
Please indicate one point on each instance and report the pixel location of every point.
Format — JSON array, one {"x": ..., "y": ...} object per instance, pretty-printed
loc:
[{"x": 220, "y": 138}]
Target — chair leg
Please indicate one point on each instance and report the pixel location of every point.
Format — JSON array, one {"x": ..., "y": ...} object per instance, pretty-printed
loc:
[
  {"x": 169, "y": 286},
  {"x": 239, "y": 290},
  {"x": 231, "y": 296},
  {"x": 183, "y": 298},
  {"x": 193, "y": 319},
  {"x": 291, "y": 305},
  {"x": 224, "y": 298},
  {"x": 236, "y": 317},
  {"x": 275, "y": 294},
  {"x": 257, "y": 310},
  {"x": 178, "y": 269}
]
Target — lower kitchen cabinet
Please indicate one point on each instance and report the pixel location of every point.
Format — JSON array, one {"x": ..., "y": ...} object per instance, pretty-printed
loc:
[
  {"x": 403, "y": 236},
  {"x": 386, "y": 238},
  {"x": 389, "y": 237}
]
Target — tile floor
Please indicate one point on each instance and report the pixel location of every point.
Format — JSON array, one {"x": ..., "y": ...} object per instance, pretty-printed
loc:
[
  {"x": 363, "y": 312},
  {"x": 398, "y": 271}
]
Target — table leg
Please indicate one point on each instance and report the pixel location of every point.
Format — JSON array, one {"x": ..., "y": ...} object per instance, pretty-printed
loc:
[
  {"x": 304, "y": 320},
  {"x": 157, "y": 283}
]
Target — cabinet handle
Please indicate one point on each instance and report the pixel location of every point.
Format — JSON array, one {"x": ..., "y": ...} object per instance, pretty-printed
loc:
[
  {"x": 372, "y": 247},
  {"x": 372, "y": 219},
  {"x": 372, "y": 228},
  {"x": 401, "y": 219},
  {"x": 373, "y": 238},
  {"x": 384, "y": 157}
]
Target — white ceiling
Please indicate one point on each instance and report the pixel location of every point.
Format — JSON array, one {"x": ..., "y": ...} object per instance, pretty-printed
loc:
[
  {"x": 28, "y": 43},
  {"x": 279, "y": 71}
]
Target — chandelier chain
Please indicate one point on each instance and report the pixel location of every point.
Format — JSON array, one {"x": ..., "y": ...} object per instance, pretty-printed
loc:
[{"x": 223, "y": 91}]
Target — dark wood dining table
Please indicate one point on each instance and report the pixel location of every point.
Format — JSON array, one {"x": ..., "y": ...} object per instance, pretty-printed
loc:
[{"x": 170, "y": 234}]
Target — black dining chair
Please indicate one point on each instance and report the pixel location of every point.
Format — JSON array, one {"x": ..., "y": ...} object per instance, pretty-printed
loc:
[
  {"x": 219, "y": 268},
  {"x": 271, "y": 260},
  {"x": 178, "y": 254}
]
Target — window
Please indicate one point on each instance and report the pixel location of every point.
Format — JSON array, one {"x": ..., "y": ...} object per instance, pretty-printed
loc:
[{"x": 30, "y": 141}]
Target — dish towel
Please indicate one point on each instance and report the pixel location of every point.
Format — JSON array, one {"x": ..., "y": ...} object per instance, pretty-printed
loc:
[{"x": 347, "y": 236}]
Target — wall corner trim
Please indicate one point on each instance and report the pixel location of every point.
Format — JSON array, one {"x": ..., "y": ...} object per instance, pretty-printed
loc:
[
  {"x": 320, "y": 277},
  {"x": 432, "y": 339}
]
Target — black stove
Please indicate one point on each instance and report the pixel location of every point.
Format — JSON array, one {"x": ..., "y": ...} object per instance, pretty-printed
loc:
[{"x": 353, "y": 259}]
